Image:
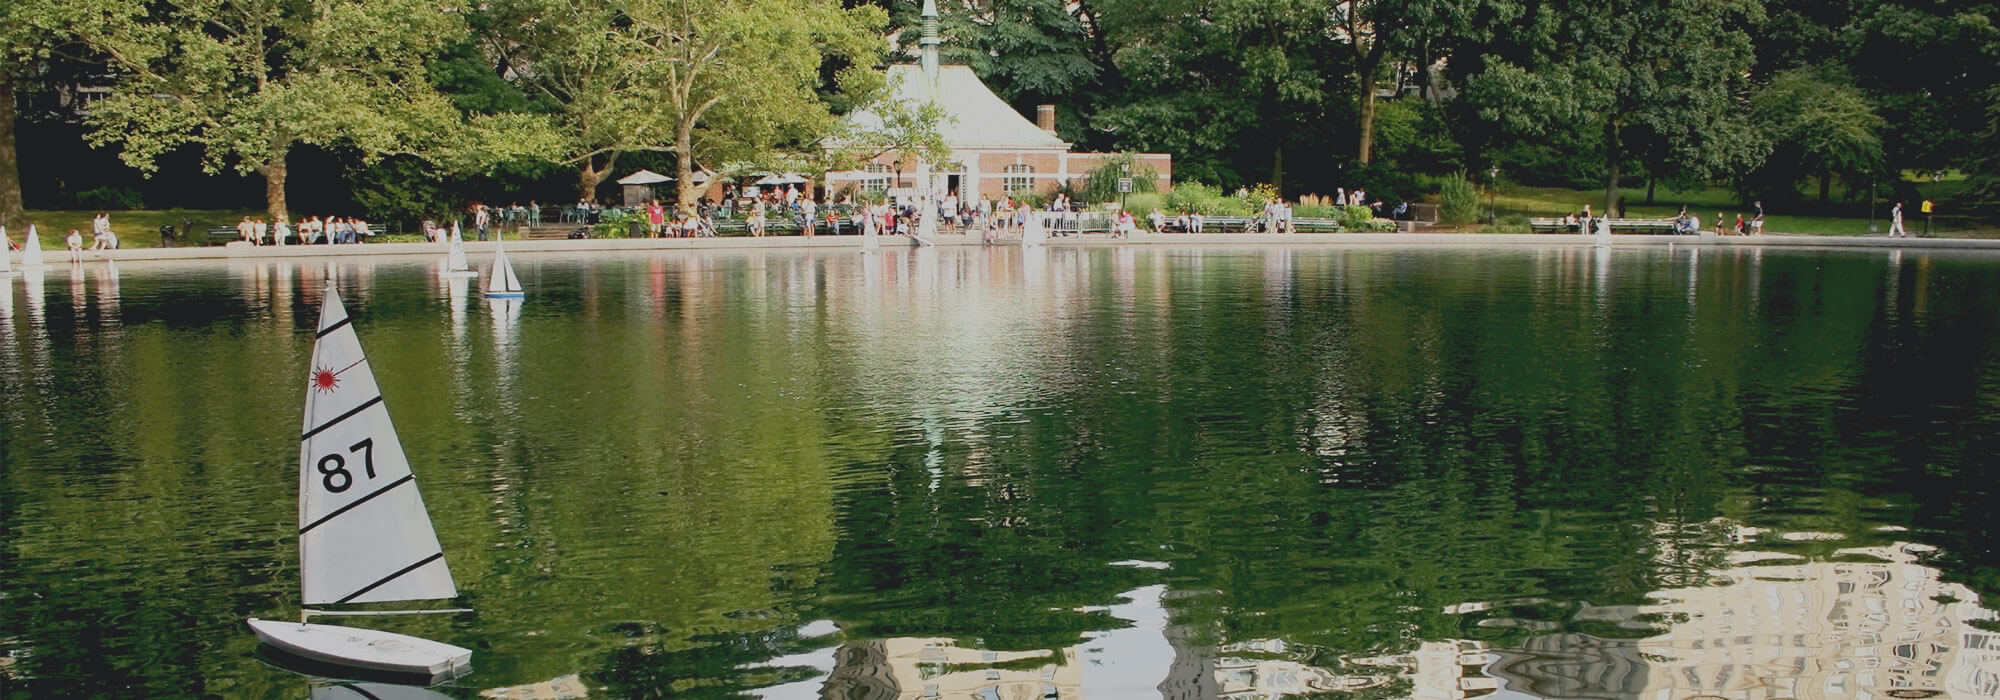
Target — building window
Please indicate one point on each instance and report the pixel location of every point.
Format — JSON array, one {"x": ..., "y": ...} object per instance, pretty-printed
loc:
[
  {"x": 877, "y": 180},
  {"x": 1020, "y": 179}
]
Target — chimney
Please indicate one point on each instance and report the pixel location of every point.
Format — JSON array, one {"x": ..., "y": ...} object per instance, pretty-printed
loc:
[{"x": 1045, "y": 117}]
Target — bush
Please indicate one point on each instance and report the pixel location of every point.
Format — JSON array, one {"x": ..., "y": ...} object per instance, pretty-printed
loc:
[
  {"x": 1207, "y": 199},
  {"x": 1355, "y": 217},
  {"x": 1458, "y": 202},
  {"x": 399, "y": 238},
  {"x": 1143, "y": 203},
  {"x": 110, "y": 198}
]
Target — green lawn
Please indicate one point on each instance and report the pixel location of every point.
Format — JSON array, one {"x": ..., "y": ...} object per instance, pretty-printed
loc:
[
  {"x": 135, "y": 229},
  {"x": 1517, "y": 204}
]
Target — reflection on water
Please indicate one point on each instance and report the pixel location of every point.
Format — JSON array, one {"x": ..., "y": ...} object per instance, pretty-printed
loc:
[{"x": 1051, "y": 473}]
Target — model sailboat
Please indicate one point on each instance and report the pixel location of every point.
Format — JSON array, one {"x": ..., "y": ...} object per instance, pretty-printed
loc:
[
  {"x": 1032, "y": 231},
  {"x": 502, "y": 282},
  {"x": 31, "y": 249},
  {"x": 6, "y": 253},
  {"x": 455, "y": 264},
  {"x": 364, "y": 536}
]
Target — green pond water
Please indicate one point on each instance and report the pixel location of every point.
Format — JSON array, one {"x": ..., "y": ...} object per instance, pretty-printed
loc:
[{"x": 1100, "y": 474}]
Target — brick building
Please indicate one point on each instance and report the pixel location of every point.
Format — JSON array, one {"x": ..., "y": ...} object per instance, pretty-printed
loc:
[{"x": 994, "y": 149}]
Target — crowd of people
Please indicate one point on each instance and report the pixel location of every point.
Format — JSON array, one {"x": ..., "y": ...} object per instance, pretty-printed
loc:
[{"x": 256, "y": 230}]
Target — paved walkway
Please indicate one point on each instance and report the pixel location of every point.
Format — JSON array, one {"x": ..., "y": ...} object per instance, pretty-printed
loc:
[{"x": 1408, "y": 240}]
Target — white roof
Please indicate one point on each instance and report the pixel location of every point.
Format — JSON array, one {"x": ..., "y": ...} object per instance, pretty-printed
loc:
[
  {"x": 644, "y": 177},
  {"x": 977, "y": 118}
]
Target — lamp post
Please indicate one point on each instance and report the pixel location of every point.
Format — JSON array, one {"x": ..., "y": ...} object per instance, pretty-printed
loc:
[{"x": 1493, "y": 195}]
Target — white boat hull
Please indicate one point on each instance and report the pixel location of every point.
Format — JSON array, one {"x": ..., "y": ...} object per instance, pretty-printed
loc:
[{"x": 367, "y": 649}]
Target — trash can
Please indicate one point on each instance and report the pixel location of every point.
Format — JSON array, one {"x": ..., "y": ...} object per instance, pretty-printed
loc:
[{"x": 635, "y": 229}]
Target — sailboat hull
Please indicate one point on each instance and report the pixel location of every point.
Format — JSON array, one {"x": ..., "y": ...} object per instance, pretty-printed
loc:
[{"x": 365, "y": 649}]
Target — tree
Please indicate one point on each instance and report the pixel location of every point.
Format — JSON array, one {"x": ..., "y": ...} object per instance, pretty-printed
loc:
[
  {"x": 1818, "y": 124},
  {"x": 1220, "y": 82},
  {"x": 1664, "y": 76},
  {"x": 1375, "y": 30},
  {"x": 247, "y": 81},
  {"x": 705, "y": 80}
]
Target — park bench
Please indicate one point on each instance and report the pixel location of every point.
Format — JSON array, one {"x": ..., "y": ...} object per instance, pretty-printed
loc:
[
  {"x": 1555, "y": 225},
  {"x": 1657, "y": 227}
]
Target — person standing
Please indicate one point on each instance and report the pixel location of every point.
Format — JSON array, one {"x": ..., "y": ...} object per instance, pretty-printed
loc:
[
  {"x": 1896, "y": 222},
  {"x": 481, "y": 218},
  {"x": 656, "y": 217},
  {"x": 1757, "y": 221}
]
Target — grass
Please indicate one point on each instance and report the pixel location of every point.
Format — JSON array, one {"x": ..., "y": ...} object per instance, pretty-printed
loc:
[
  {"x": 135, "y": 229},
  {"x": 1516, "y": 204}
]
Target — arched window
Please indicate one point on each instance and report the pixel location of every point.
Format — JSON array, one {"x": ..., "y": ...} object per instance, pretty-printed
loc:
[{"x": 1019, "y": 180}]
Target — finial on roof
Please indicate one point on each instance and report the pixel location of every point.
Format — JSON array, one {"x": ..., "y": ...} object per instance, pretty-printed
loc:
[{"x": 930, "y": 41}]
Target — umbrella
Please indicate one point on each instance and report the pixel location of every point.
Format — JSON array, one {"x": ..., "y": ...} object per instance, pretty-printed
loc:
[
  {"x": 785, "y": 179},
  {"x": 644, "y": 177}
]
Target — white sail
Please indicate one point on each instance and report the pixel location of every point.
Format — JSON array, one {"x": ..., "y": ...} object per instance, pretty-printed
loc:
[
  {"x": 6, "y": 253},
  {"x": 31, "y": 251},
  {"x": 870, "y": 238},
  {"x": 502, "y": 282},
  {"x": 364, "y": 535},
  {"x": 454, "y": 260},
  {"x": 1032, "y": 232}
]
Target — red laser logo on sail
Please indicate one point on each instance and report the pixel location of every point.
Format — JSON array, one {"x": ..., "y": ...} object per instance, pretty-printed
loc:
[{"x": 325, "y": 381}]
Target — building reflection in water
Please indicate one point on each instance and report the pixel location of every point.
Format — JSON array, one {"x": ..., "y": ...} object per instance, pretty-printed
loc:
[{"x": 1865, "y": 622}]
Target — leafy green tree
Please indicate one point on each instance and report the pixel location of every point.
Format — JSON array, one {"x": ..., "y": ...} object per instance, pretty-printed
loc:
[
  {"x": 1222, "y": 83},
  {"x": 1818, "y": 125},
  {"x": 706, "y": 80},
  {"x": 247, "y": 81},
  {"x": 1376, "y": 30},
  {"x": 1651, "y": 75}
]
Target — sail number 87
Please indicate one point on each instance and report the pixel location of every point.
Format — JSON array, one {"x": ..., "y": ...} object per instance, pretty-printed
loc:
[{"x": 333, "y": 467}]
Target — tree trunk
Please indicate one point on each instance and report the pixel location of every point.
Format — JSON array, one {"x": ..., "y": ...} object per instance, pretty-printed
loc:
[
  {"x": 274, "y": 186},
  {"x": 1366, "y": 149},
  {"x": 1278, "y": 169},
  {"x": 684, "y": 190},
  {"x": 12, "y": 214},
  {"x": 588, "y": 178},
  {"x": 1825, "y": 185},
  {"x": 1611, "y": 158},
  {"x": 1652, "y": 181}
]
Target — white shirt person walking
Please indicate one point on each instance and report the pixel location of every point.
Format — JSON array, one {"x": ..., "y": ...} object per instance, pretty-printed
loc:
[{"x": 1896, "y": 222}]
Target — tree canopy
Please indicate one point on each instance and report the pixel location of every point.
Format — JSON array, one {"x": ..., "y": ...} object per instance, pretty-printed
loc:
[{"x": 1773, "y": 97}]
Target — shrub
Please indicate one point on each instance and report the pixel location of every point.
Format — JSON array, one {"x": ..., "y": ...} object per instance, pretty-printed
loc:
[
  {"x": 110, "y": 198},
  {"x": 1354, "y": 217},
  {"x": 1204, "y": 198},
  {"x": 1143, "y": 203},
  {"x": 1458, "y": 202}
]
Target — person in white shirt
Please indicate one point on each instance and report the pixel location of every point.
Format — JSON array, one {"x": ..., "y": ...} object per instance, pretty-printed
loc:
[{"x": 1158, "y": 220}]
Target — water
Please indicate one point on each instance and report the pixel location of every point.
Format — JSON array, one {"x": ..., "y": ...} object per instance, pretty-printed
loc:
[{"x": 1106, "y": 473}]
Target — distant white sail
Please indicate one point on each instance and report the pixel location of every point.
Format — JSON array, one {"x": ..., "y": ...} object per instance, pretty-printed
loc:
[
  {"x": 31, "y": 252},
  {"x": 502, "y": 282},
  {"x": 1032, "y": 231},
  {"x": 364, "y": 535},
  {"x": 6, "y": 253},
  {"x": 454, "y": 260},
  {"x": 871, "y": 240}
]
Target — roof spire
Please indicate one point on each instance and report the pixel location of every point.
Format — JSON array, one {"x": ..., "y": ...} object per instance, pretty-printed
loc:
[{"x": 930, "y": 41}]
